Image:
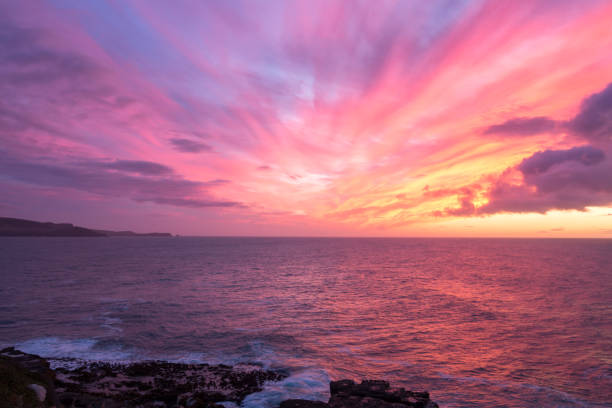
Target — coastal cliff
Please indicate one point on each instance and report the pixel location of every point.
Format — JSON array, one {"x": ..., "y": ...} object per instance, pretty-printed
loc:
[
  {"x": 27, "y": 381},
  {"x": 16, "y": 227}
]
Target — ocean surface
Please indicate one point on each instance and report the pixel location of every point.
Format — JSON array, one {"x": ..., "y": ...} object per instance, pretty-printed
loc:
[{"x": 477, "y": 322}]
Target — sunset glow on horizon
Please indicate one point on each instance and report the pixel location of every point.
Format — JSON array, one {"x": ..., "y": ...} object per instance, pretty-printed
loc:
[{"x": 309, "y": 118}]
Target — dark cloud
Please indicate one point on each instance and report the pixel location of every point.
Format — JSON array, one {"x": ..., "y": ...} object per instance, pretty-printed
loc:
[
  {"x": 134, "y": 166},
  {"x": 594, "y": 121},
  {"x": 195, "y": 203},
  {"x": 540, "y": 162},
  {"x": 570, "y": 179},
  {"x": 189, "y": 146},
  {"x": 26, "y": 60},
  {"x": 14, "y": 122},
  {"x": 139, "y": 181},
  {"x": 554, "y": 179},
  {"x": 567, "y": 185},
  {"x": 563, "y": 179},
  {"x": 523, "y": 126},
  {"x": 217, "y": 182},
  {"x": 576, "y": 175}
]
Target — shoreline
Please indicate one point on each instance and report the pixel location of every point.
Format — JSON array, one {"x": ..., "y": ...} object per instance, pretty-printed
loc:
[{"x": 27, "y": 380}]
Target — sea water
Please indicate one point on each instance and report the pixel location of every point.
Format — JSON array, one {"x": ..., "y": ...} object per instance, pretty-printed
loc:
[{"x": 477, "y": 322}]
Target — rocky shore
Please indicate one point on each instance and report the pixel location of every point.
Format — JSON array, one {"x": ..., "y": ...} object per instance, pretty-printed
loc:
[{"x": 27, "y": 380}]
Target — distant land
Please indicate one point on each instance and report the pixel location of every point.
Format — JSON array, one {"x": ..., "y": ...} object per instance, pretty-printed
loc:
[{"x": 16, "y": 227}]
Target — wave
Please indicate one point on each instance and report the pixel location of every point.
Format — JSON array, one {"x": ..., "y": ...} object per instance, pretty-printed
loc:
[
  {"x": 58, "y": 350},
  {"x": 310, "y": 384}
]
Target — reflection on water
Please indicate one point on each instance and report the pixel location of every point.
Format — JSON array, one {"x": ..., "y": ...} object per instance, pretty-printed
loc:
[{"x": 477, "y": 322}]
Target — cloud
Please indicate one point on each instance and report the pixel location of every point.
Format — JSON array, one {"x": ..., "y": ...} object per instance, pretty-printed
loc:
[
  {"x": 561, "y": 179},
  {"x": 65, "y": 93},
  {"x": 465, "y": 197},
  {"x": 568, "y": 179},
  {"x": 137, "y": 180},
  {"x": 594, "y": 121},
  {"x": 134, "y": 166},
  {"x": 54, "y": 89},
  {"x": 27, "y": 61},
  {"x": 12, "y": 122},
  {"x": 466, "y": 207},
  {"x": 523, "y": 126},
  {"x": 195, "y": 203},
  {"x": 341, "y": 103},
  {"x": 566, "y": 184},
  {"x": 577, "y": 175},
  {"x": 189, "y": 146},
  {"x": 540, "y": 162}
]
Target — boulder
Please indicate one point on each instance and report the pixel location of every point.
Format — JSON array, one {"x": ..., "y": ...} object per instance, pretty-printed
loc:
[
  {"x": 26, "y": 380},
  {"x": 41, "y": 392},
  {"x": 375, "y": 394},
  {"x": 368, "y": 394}
]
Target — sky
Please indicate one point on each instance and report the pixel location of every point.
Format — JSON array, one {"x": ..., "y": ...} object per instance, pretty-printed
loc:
[{"x": 309, "y": 118}]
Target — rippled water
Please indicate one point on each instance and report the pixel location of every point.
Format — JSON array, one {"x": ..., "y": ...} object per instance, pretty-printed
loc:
[{"x": 489, "y": 323}]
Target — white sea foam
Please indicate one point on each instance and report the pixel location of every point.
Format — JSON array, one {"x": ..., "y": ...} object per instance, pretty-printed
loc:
[
  {"x": 228, "y": 404},
  {"x": 311, "y": 384},
  {"x": 57, "y": 350},
  {"x": 111, "y": 323}
]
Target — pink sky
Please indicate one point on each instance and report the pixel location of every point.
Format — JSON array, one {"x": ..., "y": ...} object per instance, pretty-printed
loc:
[{"x": 404, "y": 118}]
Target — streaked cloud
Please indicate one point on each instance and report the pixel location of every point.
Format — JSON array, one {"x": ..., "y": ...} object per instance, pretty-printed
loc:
[
  {"x": 523, "y": 126},
  {"x": 189, "y": 146},
  {"x": 328, "y": 117}
]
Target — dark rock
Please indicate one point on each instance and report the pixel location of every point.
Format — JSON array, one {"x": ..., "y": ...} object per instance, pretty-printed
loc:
[
  {"x": 146, "y": 384},
  {"x": 343, "y": 387},
  {"x": 18, "y": 372},
  {"x": 375, "y": 394},
  {"x": 161, "y": 384},
  {"x": 299, "y": 403},
  {"x": 368, "y": 394}
]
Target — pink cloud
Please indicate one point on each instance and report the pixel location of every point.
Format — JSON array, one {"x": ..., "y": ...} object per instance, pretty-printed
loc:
[{"x": 330, "y": 112}]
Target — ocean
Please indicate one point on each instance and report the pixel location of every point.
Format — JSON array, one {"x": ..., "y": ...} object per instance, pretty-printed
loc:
[{"x": 476, "y": 322}]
